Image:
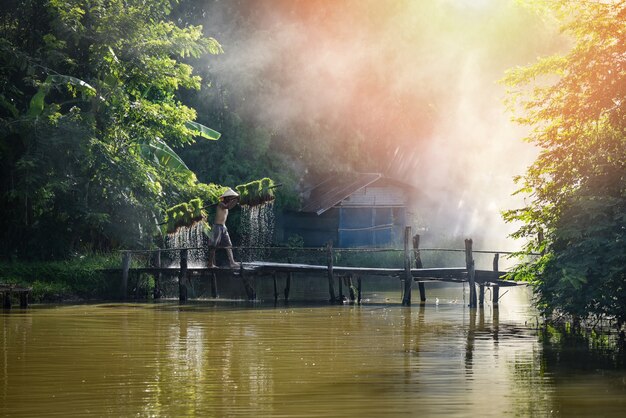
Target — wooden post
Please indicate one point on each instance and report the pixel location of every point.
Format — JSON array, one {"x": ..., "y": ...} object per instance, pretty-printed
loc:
[
  {"x": 156, "y": 293},
  {"x": 419, "y": 265},
  {"x": 329, "y": 259},
  {"x": 275, "y": 287},
  {"x": 351, "y": 289},
  {"x": 214, "y": 285},
  {"x": 287, "y": 286},
  {"x": 495, "y": 288},
  {"x": 182, "y": 277},
  {"x": 358, "y": 289},
  {"x": 340, "y": 285},
  {"x": 469, "y": 262},
  {"x": 6, "y": 300},
  {"x": 481, "y": 294},
  {"x": 126, "y": 258},
  {"x": 422, "y": 289},
  {"x": 408, "y": 277}
]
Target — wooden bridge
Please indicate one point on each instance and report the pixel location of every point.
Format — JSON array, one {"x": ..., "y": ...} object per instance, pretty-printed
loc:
[{"x": 412, "y": 271}]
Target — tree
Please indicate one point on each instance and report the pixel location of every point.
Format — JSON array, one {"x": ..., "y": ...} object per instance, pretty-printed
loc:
[
  {"x": 575, "y": 217},
  {"x": 90, "y": 115}
]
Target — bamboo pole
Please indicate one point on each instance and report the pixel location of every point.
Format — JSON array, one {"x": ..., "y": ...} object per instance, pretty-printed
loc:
[
  {"x": 469, "y": 262},
  {"x": 182, "y": 277},
  {"x": 408, "y": 277},
  {"x": 359, "y": 289},
  {"x": 329, "y": 259}
]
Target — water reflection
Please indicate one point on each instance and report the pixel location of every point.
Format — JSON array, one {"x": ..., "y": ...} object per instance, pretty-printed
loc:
[{"x": 225, "y": 359}]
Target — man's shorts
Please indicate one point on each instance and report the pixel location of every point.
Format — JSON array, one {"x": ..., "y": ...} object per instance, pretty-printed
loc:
[{"x": 220, "y": 237}]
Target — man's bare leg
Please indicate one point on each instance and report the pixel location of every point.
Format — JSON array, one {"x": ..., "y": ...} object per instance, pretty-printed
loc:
[
  {"x": 211, "y": 263},
  {"x": 231, "y": 259}
]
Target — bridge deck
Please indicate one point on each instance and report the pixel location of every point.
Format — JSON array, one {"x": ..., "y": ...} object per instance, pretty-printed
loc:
[{"x": 449, "y": 274}]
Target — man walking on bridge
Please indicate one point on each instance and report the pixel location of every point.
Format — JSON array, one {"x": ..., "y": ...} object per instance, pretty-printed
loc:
[{"x": 219, "y": 233}]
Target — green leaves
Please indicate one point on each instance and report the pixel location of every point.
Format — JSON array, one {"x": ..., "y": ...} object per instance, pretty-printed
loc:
[
  {"x": 203, "y": 131},
  {"x": 89, "y": 156},
  {"x": 37, "y": 103},
  {"x": 159, "y": 152},
  {"x": 577, "y": 185}
]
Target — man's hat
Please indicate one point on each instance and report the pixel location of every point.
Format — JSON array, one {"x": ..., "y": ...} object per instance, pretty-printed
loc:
[{"x": 229, "y": 193}]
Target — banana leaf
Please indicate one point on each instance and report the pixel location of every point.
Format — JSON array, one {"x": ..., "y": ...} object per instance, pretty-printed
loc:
[{"x": 203, "y": 131}]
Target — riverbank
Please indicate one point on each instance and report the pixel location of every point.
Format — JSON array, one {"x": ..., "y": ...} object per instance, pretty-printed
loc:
[{"x": 77, "y": 279}]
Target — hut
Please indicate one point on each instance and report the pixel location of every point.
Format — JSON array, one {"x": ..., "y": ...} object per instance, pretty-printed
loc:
[{"x": 352, "y": 210}]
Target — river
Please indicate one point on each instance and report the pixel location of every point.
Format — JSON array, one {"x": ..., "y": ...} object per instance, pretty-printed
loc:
[{"x": 231, "y": 358}]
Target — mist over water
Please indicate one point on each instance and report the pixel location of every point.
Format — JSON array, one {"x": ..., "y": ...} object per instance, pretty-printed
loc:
[{"x": 412, "y": 85}]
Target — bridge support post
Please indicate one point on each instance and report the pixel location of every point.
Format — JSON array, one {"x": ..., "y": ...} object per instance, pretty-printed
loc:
[
  {"x": 481, "y": 294},
  {"x": 214, "y": 285},
  {"x": 329, "y": 259},
  {"x": 350, "y": 285},
  {"x": 288, "y": 285},
  {"x": 419, "y": 265},
  {"x": 496, "y": 288},
  {"x": 359, "y": 289},
  {"x": 156, "y": 292},
  {"x": 126, "y": 258},
  {"x": 408, "y": 277},
  {"x": 469, "y": 262},
  {"x": 182, "y": 277}
]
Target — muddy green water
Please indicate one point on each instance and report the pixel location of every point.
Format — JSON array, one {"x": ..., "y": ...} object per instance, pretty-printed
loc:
[{"x": 221, "y": 359}]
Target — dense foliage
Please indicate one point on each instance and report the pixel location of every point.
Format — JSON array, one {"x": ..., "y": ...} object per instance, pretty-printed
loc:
[
  {"x": 90, "y": 114},
  {"x": 575, "y": 217},
  {"x": 84, "y": 277}
]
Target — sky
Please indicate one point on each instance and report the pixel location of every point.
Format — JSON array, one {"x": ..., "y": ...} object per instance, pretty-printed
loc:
[{"x": 417, "y": 79}]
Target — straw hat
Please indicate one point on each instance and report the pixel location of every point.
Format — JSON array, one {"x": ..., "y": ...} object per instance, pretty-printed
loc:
[{"x": 229, "y": 193}]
